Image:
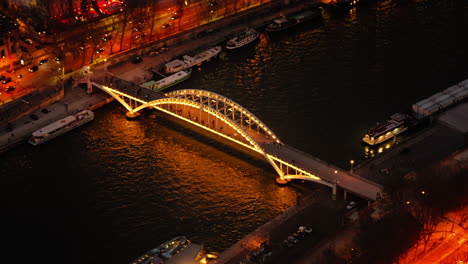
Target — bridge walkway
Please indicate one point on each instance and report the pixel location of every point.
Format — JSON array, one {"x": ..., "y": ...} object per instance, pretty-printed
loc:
[
  {"x": 344, "y": 179},
  {"x": 284, "y": 158}
]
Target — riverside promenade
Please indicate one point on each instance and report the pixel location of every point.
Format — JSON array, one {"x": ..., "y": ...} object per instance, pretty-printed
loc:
[{"x": 70, "y": 100}]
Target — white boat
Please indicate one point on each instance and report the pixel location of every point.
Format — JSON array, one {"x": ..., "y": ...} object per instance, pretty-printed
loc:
[
  {"x": 243, "y": 38},
  {"x": 169, "y": 81},
  {"x": 188, "y": 61},
  {"x": 60, "y": 127},
  {"x": 397, "y": 124}
]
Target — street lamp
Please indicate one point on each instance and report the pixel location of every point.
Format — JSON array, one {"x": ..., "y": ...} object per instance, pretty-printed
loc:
[{"x": 352, "y": 163}]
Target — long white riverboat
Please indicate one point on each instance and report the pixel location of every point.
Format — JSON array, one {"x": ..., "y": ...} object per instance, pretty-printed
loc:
[
  {"x": 169, "y": 81},
  {"x": 60, "y": 127},
  {"x": 188, "y": 61},
  {"x": 178, "y": 250},
  {"x": 242, "y": 39}
]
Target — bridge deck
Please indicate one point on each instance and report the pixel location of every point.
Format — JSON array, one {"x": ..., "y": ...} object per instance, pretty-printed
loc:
[
  {"x": 349, "y": 182},
  {"x": 327, "y": 172}
]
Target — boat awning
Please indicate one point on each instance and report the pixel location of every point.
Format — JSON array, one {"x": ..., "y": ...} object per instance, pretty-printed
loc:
[{"x": 174, "y": 64}]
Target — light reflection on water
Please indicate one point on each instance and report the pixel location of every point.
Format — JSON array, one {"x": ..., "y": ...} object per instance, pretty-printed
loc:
[{"x": 173, "y": 184}]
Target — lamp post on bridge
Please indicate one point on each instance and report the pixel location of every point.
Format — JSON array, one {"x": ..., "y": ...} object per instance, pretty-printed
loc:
[{"x": 352, "y": 163}]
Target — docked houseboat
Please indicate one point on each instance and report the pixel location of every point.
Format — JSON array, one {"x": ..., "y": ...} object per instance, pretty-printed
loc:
[
  {"x": 169, "y": 81},
  {"x": 188, "y": 61},
  {"x": 178, "y": 250},
  {"x": 242, "y": 39},
  {"x": 395, "y": 125},
  {"x": 60, "y": 127},
  {"x": 295, "y": 19}
]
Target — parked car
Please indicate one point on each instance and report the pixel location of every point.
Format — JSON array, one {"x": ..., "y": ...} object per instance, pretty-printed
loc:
[
  {"x": 100, "y": 50},
  {"x": 58, "y": 58},
  {"x": 305, "y": 230},
  {"x": 28, "y": 41},
  {"x": 10, "y": 89},
  {"x": 34, "y": 68},
  {"x": 163, "y": 49},
  {"x": 153, "y": 52},
  {"x": 43, "y": 61},
  {"x": 166, "y": 25},
  {"x": 351, "y": 205},
  {"x": 33, "y": 117},
  {"x": 299, "y": 235},
  {"x": 293, "y": 239},
  {"x": 136, "y": 59},
  {"x": 2, "y": 77},
  {"x": 6, "y": 80},
  {"x": 287, "y": 243}
]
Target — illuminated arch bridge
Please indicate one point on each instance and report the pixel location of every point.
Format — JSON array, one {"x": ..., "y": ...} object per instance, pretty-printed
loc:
[{"x": 228, "y": 119}]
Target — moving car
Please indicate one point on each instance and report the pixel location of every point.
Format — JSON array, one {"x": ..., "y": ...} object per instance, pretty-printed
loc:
[
  {"x": 34, "y": 68},
  {"x": 6, "y": 80},
  {"x": 305, "y": 230},
  {"x": 10, "y": 89},
  {"x": 106, "y": 38},
  {"x": 43, "y": 61}
]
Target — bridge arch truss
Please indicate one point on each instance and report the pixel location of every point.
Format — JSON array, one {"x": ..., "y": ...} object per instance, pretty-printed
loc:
[{"x": 220, "y": 116}]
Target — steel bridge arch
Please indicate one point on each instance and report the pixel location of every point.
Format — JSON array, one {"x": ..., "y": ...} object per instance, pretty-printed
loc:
[
  {"x": 231, "y": 109},
  {"x": 180, "y": 101},
  {"x": 208, "y": 102}
]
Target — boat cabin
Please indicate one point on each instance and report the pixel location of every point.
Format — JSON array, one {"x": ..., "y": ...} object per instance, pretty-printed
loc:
[
  {"x": 175, "y": 66},
  {"x": 278, "y": 23},
  {"x": 390, "y": 128}
]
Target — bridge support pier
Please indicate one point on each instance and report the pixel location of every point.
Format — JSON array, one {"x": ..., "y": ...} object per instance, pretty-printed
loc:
[
  {"x": 131, "y": 115},
  {"x": 344, "y": 195},
  {"x": 281, "y": 181}
]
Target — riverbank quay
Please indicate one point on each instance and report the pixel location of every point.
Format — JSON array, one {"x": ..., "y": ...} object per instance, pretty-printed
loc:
[
  {"x": 446, "y": 133},
  {"x": 196, "y": 39},
  {"x": 74, "y": 100},
  {"x": 15, "y": 114},
  {"x": 266, "y": 243}
]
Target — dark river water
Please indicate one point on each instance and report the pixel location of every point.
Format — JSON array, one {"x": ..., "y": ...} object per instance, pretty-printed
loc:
[{"x": 112, "y": 189}]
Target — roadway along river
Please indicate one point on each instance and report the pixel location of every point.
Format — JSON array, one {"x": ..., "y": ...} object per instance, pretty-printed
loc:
[{"x": 109, "y": 191}]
